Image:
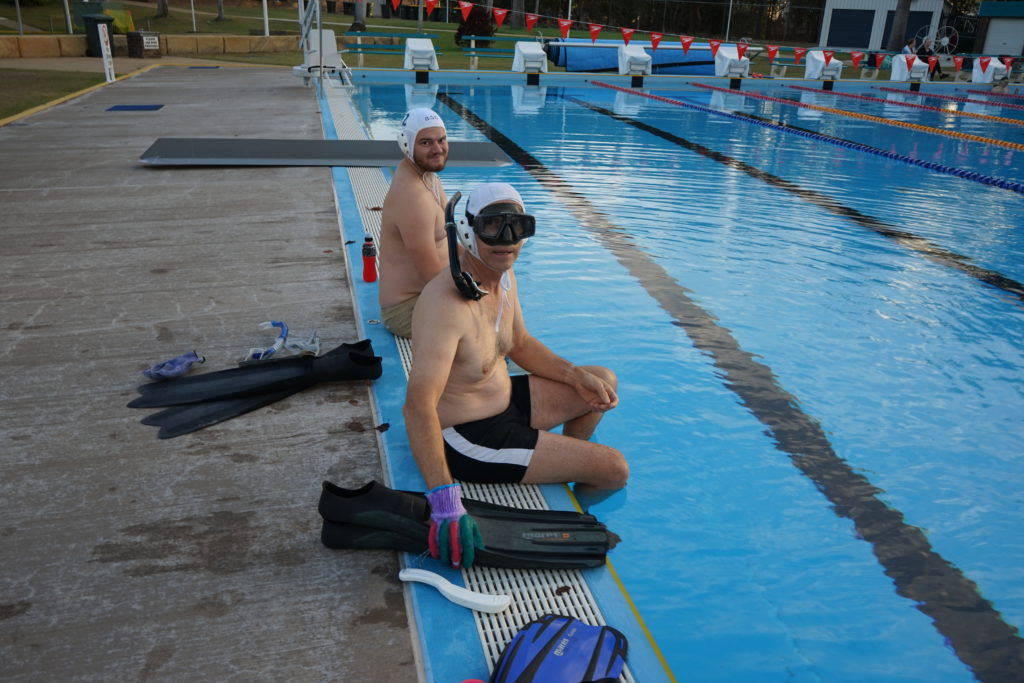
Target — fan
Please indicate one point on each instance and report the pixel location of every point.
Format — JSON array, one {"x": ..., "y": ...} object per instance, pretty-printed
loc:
[{"x": 945, "y": 39}]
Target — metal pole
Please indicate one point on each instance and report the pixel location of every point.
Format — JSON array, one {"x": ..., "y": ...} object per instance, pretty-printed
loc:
[
  {"x": 569, "y": 14},
  {"x": 266, "y": 20},
  {"x": 17, "y": 8},
  {"x": 192, "y": 4},
  {"x": 67, "y": 19},
  {"x": 728, "y": 22}
]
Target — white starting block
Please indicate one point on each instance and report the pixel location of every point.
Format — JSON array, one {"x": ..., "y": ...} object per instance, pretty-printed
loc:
[
  {"x": 634, "y": 61},
  {"x": 728, "y": 63},
  {"x": 529, "y": 58},
  {"x": 310, "y": 68},
  {"x": 996, "y": 71},
  {"x": 420, "y": 55},
  {"x": 917, "y": 72},
  {"x": 816, "y": 68}
]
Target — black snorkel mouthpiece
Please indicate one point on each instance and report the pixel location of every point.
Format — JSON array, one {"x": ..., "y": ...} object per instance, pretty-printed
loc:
[{"x": 467, "y": 286}]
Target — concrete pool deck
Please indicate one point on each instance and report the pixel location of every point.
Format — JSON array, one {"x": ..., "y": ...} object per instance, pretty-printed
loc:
[{"x": 130, "y": 558}]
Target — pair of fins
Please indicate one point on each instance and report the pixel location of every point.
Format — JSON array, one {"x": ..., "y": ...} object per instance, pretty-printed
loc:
[
  {"x": 197, "y": 401},
  {"x": 558, "y": 649},
  {"x": 375, "y": 517}
]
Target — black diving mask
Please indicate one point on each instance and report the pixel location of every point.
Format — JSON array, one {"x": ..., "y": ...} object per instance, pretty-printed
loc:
[{"x": 502, "y": 223}]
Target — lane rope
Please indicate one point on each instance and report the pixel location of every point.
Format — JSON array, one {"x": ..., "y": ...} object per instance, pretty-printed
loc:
[
  {"x": 867, "y": 117},
  {"x": 953, "y": 98},
  {"x": 915, "y": 105},
  {"x": 992, "y": 93},
  {"x": 982, "y": 178}
]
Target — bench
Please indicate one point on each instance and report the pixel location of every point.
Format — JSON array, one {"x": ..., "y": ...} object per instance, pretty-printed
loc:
[
  {"x": 374, "y": 48},
  {"x": 473, "y": 52}
]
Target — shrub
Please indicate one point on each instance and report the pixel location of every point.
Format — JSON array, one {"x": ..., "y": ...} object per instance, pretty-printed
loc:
[{"x": 478, "y": 24}]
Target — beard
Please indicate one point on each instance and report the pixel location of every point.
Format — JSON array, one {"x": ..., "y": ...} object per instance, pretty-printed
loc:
[{"x": 431, "y": 164}]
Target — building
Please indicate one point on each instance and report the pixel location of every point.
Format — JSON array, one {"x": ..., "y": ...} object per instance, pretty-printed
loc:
[
  {"x": 1001, "y": 28},
  {"x": 866, "y": 24}
]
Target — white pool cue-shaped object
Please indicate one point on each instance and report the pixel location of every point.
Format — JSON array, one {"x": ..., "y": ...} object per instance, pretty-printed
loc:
[{"x": 481, "y": 602}]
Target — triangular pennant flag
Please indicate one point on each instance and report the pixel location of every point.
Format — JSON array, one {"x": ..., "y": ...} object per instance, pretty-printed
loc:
[
  {"x": 741, "y": 49},
  {"x": 431, "y": 4},
  {"x": 627, "y": 33},
  {"x": 395, "y": 4},
  {"x": 958, "y": 63},
  {"x": 828, "y": 55},
  {"x": 655, "y": 40},
  {"x": 466, "y": 8},
  {"x": 798, "y": 53},
  {"x": 499, "y": 16},
  {"x": 595, "y": 30},
  {"x": 856, "y": 57},
  {"x": 984, "y": 61},
  {"x": 714, "y": 47},
  {"x": 686, "y": 42},
  {"x": 1008, "y": 62},
  {"x": 773, "y": 52},
  {"x": 879, "y": 60},
  {"x": 910, "y": 61},
  {"x": 531, "y": 21},
  {"x": 564, "y": 25},
  {"x": 933, "y": 61}
]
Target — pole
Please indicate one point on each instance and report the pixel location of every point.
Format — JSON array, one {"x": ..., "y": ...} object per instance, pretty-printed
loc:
[
  {"x": 728, "y": 22},
  {"x": 17, "y": 9},
  {"x": 266, "y": 20},
  {"x": 67, "y": 19},
  {"x": 192, "y": 4},
  {"x": 568, "y": 14}
]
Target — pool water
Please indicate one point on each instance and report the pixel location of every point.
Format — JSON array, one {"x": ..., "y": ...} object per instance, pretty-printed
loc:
[{"x": 821, "y": 363}]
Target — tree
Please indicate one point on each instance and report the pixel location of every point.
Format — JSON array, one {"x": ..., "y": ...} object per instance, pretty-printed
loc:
[
  {"x": 899, "y": 26},
  {"x": 515, "y": 17},
  {"x": 220, "y": 11},
  {"x": 161, "y": 9},
  {"x": 359, "y": 23}
]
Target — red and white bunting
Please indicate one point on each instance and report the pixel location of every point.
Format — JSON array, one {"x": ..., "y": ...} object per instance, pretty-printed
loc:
[
  {"x": 798, "y": 53},
  {"x": 1008, "y": 63},
  {"x": 910, "y": 61},
  {"x": 856, "y": 57},
  {"x": 686, "y": 42},
  {"x": 773, "y": 52},
  {"x": 879, "y": 60},
  {"x": 741, "y": 49},
  {"x": 933, "y": 61},
  {"x": 627, "y": 33},
  {"x": 431, "y": 5},
  {"x": 828, "y": 55},
  {"x": 466, "y": 8},
  {"x": 984, "y": 61},
  {"x": 564, "y": 25},
  {"x": 395, "y": 4},
  {"x": 655, "y": 40},
  {"x": 531, "y": 20},
  {"x": 958, "y": 63},
  {"x": 499, "y": 16},
  {"x": 595, "y": 31},
  {"x": 715, "y": 44}
]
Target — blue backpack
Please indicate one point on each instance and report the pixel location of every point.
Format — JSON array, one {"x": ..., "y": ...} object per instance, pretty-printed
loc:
[{"x": 556, "y": 649}]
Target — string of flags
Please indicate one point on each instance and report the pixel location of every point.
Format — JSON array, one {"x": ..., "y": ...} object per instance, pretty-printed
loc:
[{"x": 565, "y": 25}]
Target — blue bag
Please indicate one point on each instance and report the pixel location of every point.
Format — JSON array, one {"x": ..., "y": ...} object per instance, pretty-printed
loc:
[{"x": 556, "y": 649}]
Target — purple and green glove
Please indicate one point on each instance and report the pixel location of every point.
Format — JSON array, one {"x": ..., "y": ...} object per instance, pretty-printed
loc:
[{"x": 454, "y": 535}]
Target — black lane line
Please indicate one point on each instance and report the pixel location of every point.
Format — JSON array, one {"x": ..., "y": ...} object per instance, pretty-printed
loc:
[
  {"x": 982, "y": 640},
  {"x": 906, "y": 239}
]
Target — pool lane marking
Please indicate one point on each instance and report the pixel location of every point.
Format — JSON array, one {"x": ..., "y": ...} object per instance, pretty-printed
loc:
[
  {"x": 983, "y": 641},
  {"x": 982, "y": 178},
  {"x": 907, "y": 239},
  {"x": 867, "y": 117},
  {"x": 913, "y": 105},
  {"x": 954, "y": 98},
  {"x": 990, "y": 93}
]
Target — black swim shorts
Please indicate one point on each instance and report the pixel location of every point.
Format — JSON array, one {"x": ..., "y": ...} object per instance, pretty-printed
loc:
[{"x": 497, "y": 449}]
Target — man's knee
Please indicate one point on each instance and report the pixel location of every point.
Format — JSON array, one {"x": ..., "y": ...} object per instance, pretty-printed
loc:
[
  {"x": 604, "y": 373},
  {"x": 615, "y": 469}
]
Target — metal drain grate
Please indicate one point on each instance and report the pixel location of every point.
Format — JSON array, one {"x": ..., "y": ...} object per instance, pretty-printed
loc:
[{"x": 535, "y": 592}]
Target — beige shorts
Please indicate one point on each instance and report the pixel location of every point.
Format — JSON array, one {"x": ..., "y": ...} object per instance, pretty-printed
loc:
[{"x": 398, "y": 318}]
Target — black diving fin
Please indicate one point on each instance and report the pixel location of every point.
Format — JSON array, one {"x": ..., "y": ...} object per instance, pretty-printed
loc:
[
  {"x": 198, "y": 401},
  {"x": 375, "y": 517}
]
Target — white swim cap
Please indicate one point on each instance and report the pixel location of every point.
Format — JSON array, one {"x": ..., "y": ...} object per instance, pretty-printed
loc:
[
  {"x": 415, "y": 121},
  {"x": 479, "y": 199}
]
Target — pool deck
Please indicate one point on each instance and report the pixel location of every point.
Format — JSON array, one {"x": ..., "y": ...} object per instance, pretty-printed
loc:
[{"x": 126, "y": 557}]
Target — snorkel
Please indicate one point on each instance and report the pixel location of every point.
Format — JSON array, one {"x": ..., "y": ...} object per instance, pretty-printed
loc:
[{"x": 465, "y": 283}]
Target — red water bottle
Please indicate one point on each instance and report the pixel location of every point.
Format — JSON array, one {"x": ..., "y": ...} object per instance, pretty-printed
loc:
[{"x": 369, "y": 260}]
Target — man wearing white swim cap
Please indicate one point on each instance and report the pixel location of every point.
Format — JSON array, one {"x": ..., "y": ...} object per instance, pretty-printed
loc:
[
  {"x": 412, "y": 237},
  {"x": 467, "y": 418}
]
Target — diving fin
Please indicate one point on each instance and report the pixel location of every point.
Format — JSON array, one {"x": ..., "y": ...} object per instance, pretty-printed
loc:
[
  {"x": 557, "y": 649},
  {"x": 190, "y": 417},
  {"x": 346, "y": 362},
  {"x": 376, "y": 517}
]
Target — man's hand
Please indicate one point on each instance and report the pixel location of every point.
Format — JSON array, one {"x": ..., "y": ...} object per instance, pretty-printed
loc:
[
  {"x": 454, "y": 535},
  {"x": 598, "y": 394}
]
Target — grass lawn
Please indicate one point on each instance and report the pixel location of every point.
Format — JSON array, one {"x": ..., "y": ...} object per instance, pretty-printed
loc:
[{"x": 24, "y": 89}]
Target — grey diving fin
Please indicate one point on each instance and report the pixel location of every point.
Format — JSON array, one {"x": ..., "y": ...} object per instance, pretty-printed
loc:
[
  {"x": 376, "y": 517},
  {"x": 346, "y": 362},
  {"x": 190, "y": 417}
]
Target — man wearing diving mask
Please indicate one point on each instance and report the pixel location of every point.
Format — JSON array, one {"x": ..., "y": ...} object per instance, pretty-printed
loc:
[
  {"x": 412, "y": 239},
  {"x": 467, "y": 418}
]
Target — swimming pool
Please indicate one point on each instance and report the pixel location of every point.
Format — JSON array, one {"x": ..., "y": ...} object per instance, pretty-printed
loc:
[{"x": 819, "y": 349}]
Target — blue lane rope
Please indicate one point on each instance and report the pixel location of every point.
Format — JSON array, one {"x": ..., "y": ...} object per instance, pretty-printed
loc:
[{"x": 982, "y": 178}]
